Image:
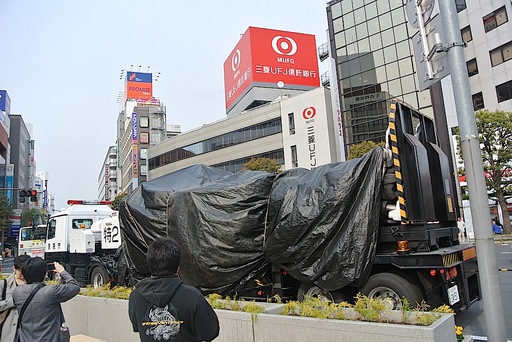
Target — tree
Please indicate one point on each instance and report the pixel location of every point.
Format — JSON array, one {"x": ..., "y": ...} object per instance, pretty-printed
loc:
[
  {"x": 263, "y": 164},
  {"x": 495, "y": 136},
  {"x": 6, "y": 213},
  {"x": 358, "y": 150},
  {"x": 116, "y": 201},
  {"x": 32, "y": 216}
]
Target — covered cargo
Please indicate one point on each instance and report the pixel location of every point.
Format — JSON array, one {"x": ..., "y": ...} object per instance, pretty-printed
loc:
[{"x": 318, "y": 225}]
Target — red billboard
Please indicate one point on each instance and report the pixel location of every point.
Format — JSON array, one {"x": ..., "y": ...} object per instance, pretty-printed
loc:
[
  {"x": 139, "y": 85},
  {"x": 266, "y": 58}
]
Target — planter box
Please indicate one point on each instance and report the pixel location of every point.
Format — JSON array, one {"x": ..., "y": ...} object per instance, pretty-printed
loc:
[{"x": 107, "y": 319}]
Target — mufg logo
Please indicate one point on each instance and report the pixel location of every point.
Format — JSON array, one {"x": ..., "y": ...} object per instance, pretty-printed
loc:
[
  {"x": 309, "y": 113},
  {"x": 284, "y": 45},
  {"x": 235, "y": 60}
]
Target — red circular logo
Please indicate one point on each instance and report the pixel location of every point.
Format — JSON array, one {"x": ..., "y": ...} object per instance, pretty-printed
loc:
[{"x": 309, "y": 113}]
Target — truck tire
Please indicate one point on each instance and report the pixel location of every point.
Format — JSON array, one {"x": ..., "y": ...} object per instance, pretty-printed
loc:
[
  {"x": 311, "y": 290},
  {"x": 392, "y": 288},
  {"x": 99, "y": 277}
]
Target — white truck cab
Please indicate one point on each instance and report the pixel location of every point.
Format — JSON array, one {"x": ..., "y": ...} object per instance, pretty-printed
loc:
[{"x": 75, "y": 238}]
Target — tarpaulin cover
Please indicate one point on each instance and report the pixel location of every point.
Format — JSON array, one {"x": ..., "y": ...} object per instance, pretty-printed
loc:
[{"x": 318, "y": 225}]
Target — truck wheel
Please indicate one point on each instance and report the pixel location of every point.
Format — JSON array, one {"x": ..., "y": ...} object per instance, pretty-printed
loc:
[
  {"x": 99, "y": 277},
  {"x": 392, "y": 288},
  {"x": 314, "y": 291}
]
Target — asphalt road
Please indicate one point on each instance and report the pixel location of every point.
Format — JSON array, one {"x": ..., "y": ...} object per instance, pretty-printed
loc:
[{"x": 473, "y": 320}]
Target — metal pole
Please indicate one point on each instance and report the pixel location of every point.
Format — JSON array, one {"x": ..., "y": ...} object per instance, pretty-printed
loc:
[{"x": 487, "y": 264}]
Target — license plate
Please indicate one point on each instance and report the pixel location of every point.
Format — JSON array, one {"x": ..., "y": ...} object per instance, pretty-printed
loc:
[{"x": 453, "y": 295}]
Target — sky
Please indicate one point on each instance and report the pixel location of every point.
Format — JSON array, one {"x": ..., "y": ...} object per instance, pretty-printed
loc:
[{"x": 61, "y": 60}]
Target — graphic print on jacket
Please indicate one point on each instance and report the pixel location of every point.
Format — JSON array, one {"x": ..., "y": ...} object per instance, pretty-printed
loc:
[{"x": 164, "y": 322}]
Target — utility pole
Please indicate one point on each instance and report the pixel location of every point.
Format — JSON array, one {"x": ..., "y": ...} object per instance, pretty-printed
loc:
[{"x": 484, "y": 240}]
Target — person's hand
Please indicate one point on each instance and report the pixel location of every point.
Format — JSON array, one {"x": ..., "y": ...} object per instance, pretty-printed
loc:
[{"x": 58, "y": 267}]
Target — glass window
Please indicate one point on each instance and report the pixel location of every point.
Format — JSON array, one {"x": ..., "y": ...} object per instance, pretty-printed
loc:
[
  {"x": 373, "y": 26},
  {"x": 392, "y": 71},
  {"x": 501, "y": 54},
  {"x": 337, "y": 25},
  {"x": 51, "y": 229},
  {"x": 144, "y": 121},
  {"x": 144, "y": 138},
  {"x": 81, "y": 223},
  {"x": 295, "y": 160},
  {"x": 478, "y": 101},
  {"x": 466, "y": 34},
  {"x": 362, "y": 31},
  {"x": 395, "y": 87},
  {"x": 336, "y": 10},
  {"x": 495, "y": 19},
  {"x": 364, "y": 45},
  {"x": 411, "y": 99},
  {"x": 460, "y": 5},
  {"x": 143, "y": 153},
  {"x": 402, "y": 49},
  {"x": 357, "y": 3},
  {"x": 401, "y": 32},
  {"x": 339, "y": 39},
  {"x": 472, "y": 67},
  {"x": 359, "y": 16},
  {"x": 350, "y": 35},
  {"x": 424, "y": 99},
  {"x": 381, "y": 74},
  {"x": 405, "y": 66},
  {"x": 346, "y": 6},
  {"x": 504, "y": 91},
  {"x": 398, "y": 15},
  {"x": 383, "y": 6},
  {"x": 390, "y": 54},
  {"x": 387, "y": 38},
  {"x": 378, "y": 57},
  {"x": 371, "y": 10},
  {"x": 348, "y": 20},
  {"x": 385, "y": 20},
  {"x": 352, "y": 49},
  {"x": 375, "y": 42},
  {"x": 291, "y": 123}
]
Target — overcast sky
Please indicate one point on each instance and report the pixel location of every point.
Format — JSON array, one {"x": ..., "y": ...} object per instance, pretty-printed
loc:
[{"x": 60, "y": 62}]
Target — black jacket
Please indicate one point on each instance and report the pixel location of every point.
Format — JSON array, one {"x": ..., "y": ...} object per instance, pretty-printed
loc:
[{"x": 165, "y": 309}]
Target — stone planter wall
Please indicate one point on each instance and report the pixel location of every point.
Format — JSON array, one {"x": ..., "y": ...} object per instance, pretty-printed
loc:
[{"x": 107, "y": 319}]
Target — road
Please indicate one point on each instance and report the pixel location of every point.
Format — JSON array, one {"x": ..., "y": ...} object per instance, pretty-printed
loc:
[{"x": 473, "y": 320}]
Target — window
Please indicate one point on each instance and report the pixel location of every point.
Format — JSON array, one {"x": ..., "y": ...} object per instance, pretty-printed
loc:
[
  {"x": 466, "y": 34},
  {"x": 291, "y": 123},
  {"x": 143, "y": 152},
  {"x": 295, "y": 161},
  {"x": 495, "y": 19},
  {"x": 478, "y": 101},
  {"x": 501, "y": 54},
  {"x": 460, "y": 5},
  {"x": 81, "y": 223},
  {"x": 144, "y": 121},
  {"x": 144, "y": 138},
  {"x": 472, "y": 67},
  {"x": 504, "y": 91}
]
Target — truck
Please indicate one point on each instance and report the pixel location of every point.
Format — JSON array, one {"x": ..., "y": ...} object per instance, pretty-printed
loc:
[
  {"x": 84, "y": 238},
  {"x": 383, "y": 225},
  {"x": 32, "y": 240}
]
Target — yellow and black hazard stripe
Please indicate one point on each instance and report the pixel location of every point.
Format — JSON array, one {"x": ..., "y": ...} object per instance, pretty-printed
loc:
[{"x": 396, "y": 160}]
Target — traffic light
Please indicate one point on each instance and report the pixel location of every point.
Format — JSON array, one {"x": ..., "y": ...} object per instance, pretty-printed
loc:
[
  {"x": 33, "y": 195},
  {"x": 21, "y": 197}
]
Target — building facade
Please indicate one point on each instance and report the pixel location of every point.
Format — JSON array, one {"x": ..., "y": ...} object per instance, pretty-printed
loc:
[
  {"x": 371, "y": 48},
  {"x": 486, "y": 28},
  {"x": 297, "y": 131},
  {"x": 107, "y": 178},
  {"x": 22, "y": 157}
]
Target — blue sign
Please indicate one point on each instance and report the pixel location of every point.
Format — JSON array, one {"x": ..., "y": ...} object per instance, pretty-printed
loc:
[
  {"x": 135, "y": 133},
  {"x": 143, "y": 77},
  {"x": 5, "y": 102}
]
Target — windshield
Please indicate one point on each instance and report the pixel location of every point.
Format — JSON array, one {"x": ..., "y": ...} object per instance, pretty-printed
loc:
[{"x": 30, "y": 233}]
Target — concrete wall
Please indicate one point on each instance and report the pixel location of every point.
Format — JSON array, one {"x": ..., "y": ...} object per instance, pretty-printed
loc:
[{"x": 107, "y": 319}]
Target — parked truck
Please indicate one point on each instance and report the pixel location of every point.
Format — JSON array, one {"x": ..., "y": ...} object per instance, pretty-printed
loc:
[{"x": 384, "y": 225}]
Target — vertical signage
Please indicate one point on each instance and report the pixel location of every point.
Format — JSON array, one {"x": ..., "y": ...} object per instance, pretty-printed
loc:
[{"x": 135, "y": 135}]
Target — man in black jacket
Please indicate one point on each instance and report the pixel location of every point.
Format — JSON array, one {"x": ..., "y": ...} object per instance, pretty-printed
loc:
[{"x": 162, "y": 308}]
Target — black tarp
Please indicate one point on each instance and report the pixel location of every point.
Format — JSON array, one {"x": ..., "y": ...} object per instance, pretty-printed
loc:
[{"x": 319, "y": 225}]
